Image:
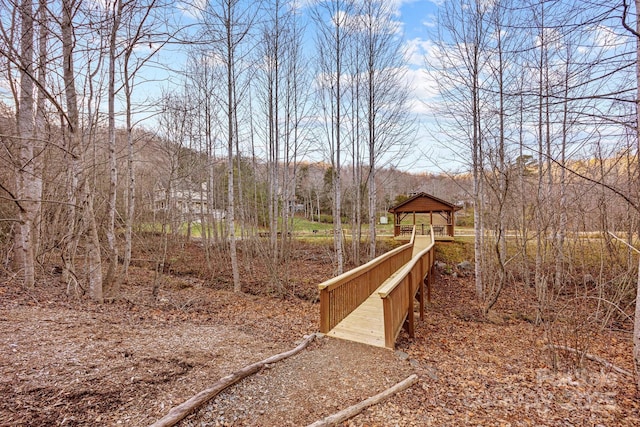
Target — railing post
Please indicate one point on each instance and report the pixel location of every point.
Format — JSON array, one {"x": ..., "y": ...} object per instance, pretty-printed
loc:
[
  {"x": 325, "y": 321},
  {"x": 410, "y": 317},
  {"x": 421, "y": 281},
  {"x": 389, "y": 339},
  {"x": 430, "y": 275}
]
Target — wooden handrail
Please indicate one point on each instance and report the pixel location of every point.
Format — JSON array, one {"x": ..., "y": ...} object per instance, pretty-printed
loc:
[
  {"x": 340, "y": 295},
  {"x": 357, "y": 271},
  {"x": 388, "y": 288},
  {"x": 398, "y": 294}
]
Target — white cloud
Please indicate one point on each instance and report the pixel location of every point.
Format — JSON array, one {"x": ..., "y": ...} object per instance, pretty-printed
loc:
[
  {"x": 397, "y": 4},
  {"x": 415, "y": 50},
  {"x": 606, "y": 37},
  {"x": 191, "y": 8},
  {"x": 424, "y": 91},
  {"x": 379, "y": 26},
  {"x": 419, "y": 51},
  {"x": 430, "y": 22},
  {"x": 99, "y": 4}
]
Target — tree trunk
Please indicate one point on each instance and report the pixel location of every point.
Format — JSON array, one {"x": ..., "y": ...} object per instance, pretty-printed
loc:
[
  {"x": 93, "y": 249},
  {"x": 237, "y": 287},
  {"x": 76, "y": 150},
  {"x": 562, "y": 220},
  {"x": 26, "y": 179},
  {"x": 636, "y": 322},
  {"x": 131, "y": 187},
  {"x": 636, "y": 331},
  {"x": 372, "y": 210},
  {"x": 337, "y": 130},
  {"x": 110, "y": 232},
  {"x": 477, "y": 194}
]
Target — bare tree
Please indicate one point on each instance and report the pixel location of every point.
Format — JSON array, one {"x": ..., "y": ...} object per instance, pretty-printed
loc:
[
  {"x": 140, "y": 28},
  {"x": 23, "y": 35},
  {"x": 175, "y": 125},
  {"x": 114, "y": 13},
  {"x": 458, "y": 71},
  {"x": 296, "y": 110},
  {"x": 499, "y": 171},
  {"x": 388, "y": 124},
  {"x": 274, "y": 44},
  {"x": 332, "y": 39},
  {"x": 228, "y": 24},
  {"x": 636, "y": 32},
  {"x": 80, "y": 193},
  {"x": 280, "y": 92},
  {"x": 201, "y": 88},
  {"x": 27, "y": 179}
]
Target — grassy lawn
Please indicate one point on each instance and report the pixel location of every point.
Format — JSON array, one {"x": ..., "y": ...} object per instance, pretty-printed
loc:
[
  {"x": 301, "y": 226},
  {"x": 196, "y": 229},
  {"x": 304, "y": 226}
]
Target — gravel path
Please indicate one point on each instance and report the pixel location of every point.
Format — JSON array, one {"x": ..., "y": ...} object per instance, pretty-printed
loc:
[{"x": 328, "y": 376}]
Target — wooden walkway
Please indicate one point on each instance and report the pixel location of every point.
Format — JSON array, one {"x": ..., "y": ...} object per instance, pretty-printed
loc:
[
  {"x": 365, "y": 324},
  {"x": 420, "y": 243}
]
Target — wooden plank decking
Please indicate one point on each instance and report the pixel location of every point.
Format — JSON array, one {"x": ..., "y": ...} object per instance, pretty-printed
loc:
[
  {"x": 365, "y": 324},
  {"x": 419, "y": 243}
]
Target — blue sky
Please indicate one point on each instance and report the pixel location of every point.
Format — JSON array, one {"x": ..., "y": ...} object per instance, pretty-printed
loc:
[
  {"x": 417, "y": 18},
  {"x": 418, "y": 21}
]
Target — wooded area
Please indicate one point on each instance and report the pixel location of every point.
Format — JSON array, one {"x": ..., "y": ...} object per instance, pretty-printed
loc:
[
  {"x": 231, "y": 142},
  {"x": 151, "y": 134},
  {"x": 551, "y": 124}
]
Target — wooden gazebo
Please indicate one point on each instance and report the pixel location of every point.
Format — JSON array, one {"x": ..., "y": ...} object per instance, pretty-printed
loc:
[{"x": 423, "y": 211}]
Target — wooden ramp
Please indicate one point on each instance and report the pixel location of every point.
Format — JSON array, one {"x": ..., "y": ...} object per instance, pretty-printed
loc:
[
  {"x": 420, "y": 243},
  {"x": 365, "y": 324}
]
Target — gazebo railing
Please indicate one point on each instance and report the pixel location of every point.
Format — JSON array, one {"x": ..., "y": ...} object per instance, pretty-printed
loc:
[
  {"x": 407, "y": 229},
  {"x": 440, "y": 230},
  {"x": 404, "y": 230}
]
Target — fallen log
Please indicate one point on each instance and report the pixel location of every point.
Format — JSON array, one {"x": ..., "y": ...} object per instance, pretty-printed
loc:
[
  {"x": 179, "y": 412},
  {"x": 591, "y": 357},
  {"x": 354, "y": 410}
]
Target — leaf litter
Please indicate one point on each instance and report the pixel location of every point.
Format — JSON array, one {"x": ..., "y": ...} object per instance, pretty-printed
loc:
[{"x": 67, "y": 361}]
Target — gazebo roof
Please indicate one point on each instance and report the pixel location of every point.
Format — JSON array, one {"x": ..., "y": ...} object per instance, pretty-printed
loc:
[{"x": 423, "y": 203}]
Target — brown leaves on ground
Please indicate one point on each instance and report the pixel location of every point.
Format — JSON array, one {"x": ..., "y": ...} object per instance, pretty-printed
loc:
[
  {"x": 127, "y": 364},
  {"x": 66, "y": 361},
  {"x": 494, "y": 372}
]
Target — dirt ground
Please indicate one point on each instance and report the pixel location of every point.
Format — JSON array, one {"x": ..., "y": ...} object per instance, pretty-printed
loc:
[{"x": 66, "y": 361}]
